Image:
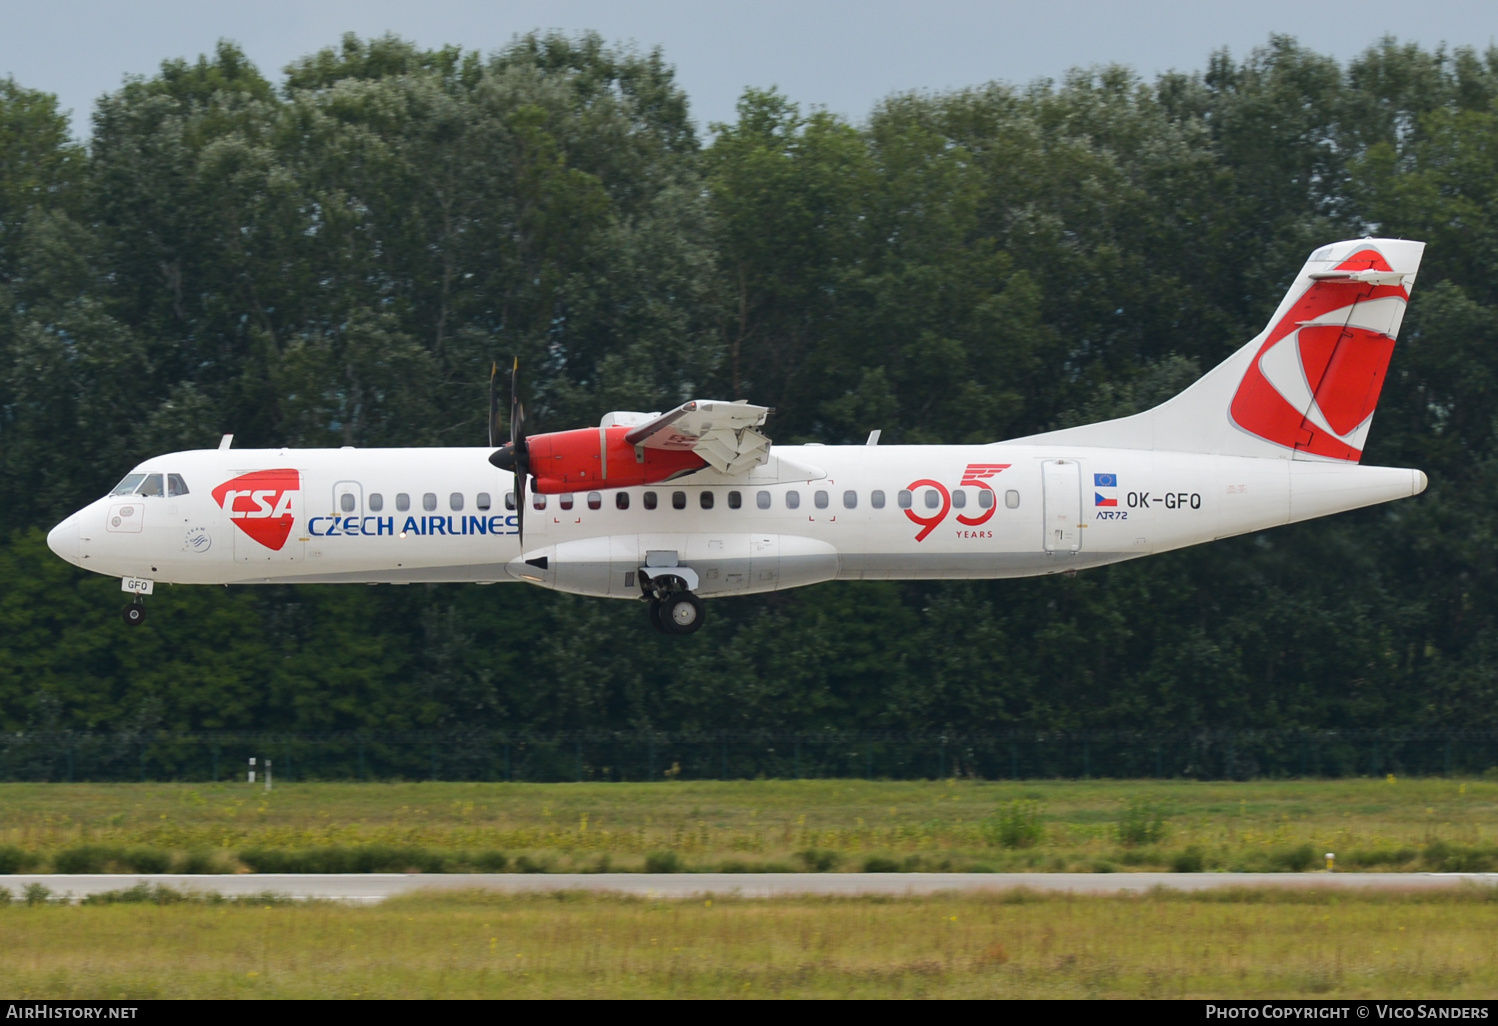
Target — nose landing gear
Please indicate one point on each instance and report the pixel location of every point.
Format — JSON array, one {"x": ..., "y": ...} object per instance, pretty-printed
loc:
[{"x": 137, "y": 588}]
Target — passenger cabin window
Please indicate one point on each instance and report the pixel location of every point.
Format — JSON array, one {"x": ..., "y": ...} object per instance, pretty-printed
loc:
[
  {"x": 402, "y": 501},
  {"x": 538, "y": 501},
  {"x": 959, "y": 498},
  {"x": 762, "y": 500},
  {"x": 820, "y": 499},
  {"x": 1011, "y": 499},
  {"x": 678, "y": 500},
  {"x": 792, "y": 500},
  {"x": 850, "y": 500},
  {"x": 128, "y": 485},
  {"x": 376, "y": 502},
  {"x": 621, "y": 500},
  {"x": 595, "y": 500},
  {"x": 429, "y": 502},
  {"x": 175, "y": 485},
  {"x": 707, "y": 500},
  {"x": 455, "y": 501},
  {"x": 565, "y": 501},
  {"x": 150, "y": 486},
  {"x": 483, "y": 501},
  {"x": 933, "y": 498},
  {"x": 903, "y": 499},
  {"x": 735, "y": 500},
  {"x": 651, "y": 500},
  {"x": 876, "y": 499},
  {"x": 510, "y": 501},
  {"x": 985, "y": 499},
  {"x": 346, "y": 502}
]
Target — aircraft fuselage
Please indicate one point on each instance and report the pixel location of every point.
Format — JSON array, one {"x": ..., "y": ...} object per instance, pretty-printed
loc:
[{"x": 811, "y": 514}]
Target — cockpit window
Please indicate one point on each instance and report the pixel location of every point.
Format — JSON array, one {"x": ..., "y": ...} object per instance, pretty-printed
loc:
[
  {"x": 150, "y": 486},
  {"x": 128, "y": 485},
  {"x": 175, "y": 485}
]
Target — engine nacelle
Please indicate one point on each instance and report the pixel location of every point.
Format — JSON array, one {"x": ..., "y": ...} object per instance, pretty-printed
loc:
[{"x": 598, "y": 458}]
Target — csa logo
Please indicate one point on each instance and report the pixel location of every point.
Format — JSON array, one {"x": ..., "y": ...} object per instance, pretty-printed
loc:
[
  {"x": 1317, "y": 377},
  {"x": 260, "y": 504}
]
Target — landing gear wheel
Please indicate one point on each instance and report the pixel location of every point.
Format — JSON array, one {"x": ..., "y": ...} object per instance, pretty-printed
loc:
[
  {"x": 654, "y": 612},
  {"x": 134, "y": 614},
  {"x": 681, "y": 612}
]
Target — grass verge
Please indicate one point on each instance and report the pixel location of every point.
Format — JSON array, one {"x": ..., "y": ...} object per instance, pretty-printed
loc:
[
  {"x": 881, "y": 826},
  {"x": 1228, "y": 944}
]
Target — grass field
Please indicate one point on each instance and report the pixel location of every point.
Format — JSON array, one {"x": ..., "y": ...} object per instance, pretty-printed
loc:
[
  {"x": 752, "y": 825},
  {"x": 1225, "y": 944}
]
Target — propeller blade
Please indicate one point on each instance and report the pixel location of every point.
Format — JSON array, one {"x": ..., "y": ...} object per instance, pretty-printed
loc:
[
  {"x": 514, "y": 455},
  {"x": 517, "y": 408},
  {"x": 493, "y": 404},
  {"x": 520, "y": 507}
]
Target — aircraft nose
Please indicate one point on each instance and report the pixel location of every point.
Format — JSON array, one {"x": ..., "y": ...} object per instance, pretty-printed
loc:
[{"x": 63, "y": 539}]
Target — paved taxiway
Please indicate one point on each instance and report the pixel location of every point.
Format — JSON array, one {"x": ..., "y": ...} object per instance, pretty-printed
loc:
[{"x": 374, "y": 887}]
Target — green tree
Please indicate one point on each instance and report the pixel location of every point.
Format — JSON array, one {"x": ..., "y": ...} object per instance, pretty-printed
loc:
[{"x": 336, "y": 258}]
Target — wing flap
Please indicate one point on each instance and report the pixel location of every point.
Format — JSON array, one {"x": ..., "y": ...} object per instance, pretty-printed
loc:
[{"x": 726, "y": 435}]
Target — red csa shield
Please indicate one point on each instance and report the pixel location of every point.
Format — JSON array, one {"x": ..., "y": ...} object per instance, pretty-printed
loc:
[
  {"x": 1335, "y": 371},
  {"x": 261, "y": 504}
]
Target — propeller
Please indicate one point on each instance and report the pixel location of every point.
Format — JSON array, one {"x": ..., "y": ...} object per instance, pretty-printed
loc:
[{"x": 514, "y": 455}]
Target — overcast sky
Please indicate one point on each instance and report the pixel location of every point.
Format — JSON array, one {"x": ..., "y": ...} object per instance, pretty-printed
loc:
[{"x": 841, "y": 54}]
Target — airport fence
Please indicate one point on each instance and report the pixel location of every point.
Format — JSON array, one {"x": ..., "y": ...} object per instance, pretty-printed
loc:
[{"x": 739, "y": 755}]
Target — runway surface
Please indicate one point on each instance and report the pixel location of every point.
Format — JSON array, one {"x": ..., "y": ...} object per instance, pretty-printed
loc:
[{"x": 375, "y": 887}]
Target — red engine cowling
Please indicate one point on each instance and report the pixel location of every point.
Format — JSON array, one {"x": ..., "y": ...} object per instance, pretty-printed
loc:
[{"x": 574, "y": 461}]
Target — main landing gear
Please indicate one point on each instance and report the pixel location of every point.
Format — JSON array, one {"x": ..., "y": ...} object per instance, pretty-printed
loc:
[
  {"x": 134, "y": 614},
  {"x": 677, "y": 613},
  {"x": 672, "y": 608}
]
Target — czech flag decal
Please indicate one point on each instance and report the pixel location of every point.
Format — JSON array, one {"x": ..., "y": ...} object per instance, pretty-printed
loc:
[{"x": 1104, "y": 481}]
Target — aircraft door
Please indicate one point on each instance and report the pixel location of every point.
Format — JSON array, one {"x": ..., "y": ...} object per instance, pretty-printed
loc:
[
  {"x": 348, "y": 499},
  {"x": 1062, "y": 482}
]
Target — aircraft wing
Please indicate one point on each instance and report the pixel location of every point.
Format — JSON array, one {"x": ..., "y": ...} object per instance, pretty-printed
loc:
[{"x": 726, "y": 435}]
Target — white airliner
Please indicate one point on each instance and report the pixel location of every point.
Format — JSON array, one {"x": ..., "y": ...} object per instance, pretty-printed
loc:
[{"x": 695, "y": 503}]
